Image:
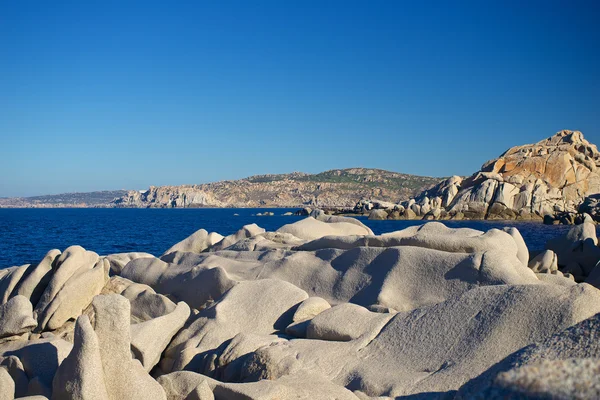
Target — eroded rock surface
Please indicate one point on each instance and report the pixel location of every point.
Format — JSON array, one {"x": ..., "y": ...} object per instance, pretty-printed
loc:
[
  {"x": 321, "y": 309},
  {"x": 554, "y": 176}
]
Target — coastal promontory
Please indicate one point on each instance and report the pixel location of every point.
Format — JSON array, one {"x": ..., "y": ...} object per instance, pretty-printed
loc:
[
  {"x": 339, "y": 188},
  {"x": 552, "y": 177}
]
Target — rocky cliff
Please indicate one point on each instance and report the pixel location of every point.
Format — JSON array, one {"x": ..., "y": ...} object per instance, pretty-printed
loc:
[
  {"x": 339, "y": 188},
  {"x": 549, "y": 177}
]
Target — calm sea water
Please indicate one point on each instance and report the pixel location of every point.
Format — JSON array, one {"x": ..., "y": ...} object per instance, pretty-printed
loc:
[{"x": 27, "y": 234}]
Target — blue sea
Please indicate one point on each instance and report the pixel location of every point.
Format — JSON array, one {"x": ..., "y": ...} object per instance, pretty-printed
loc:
[{"x": 27, "y": 234}]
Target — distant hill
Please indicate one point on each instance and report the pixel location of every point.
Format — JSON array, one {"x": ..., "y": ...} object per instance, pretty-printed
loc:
[
  {"x": 90, "y": 199},
  {"x": 340, "y": 188}
]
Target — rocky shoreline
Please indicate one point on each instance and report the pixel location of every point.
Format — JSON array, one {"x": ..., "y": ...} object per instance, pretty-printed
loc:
[
  {"x": 339, "y": 188},
  {"x": 556, "y": 180},
  {"x": 319, "y": 309}
]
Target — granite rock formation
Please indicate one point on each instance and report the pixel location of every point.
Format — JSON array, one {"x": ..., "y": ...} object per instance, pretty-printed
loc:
[
  {"x": 550, "y": 177},
  {"x": 320, "y": 309}
]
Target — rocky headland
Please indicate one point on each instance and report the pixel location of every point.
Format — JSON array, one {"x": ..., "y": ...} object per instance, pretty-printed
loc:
[
  {"x": 556, "y": 179},
  {"x": 336, "y": 189},
  {"x": 319, "y": 309}
]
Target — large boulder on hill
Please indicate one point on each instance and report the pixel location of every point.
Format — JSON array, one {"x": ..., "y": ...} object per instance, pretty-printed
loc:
[
  {"x": 199, "y": 287},
  {"x": 184, "y": 279},
  {"x": 551, "y": 176},
  {"x": 147, "y": 304}
]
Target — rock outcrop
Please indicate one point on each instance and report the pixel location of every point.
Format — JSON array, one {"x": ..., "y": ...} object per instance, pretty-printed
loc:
[
  {"x": 575, "y": 253},
  {"x": 320, "y": 309},
  {"x": 16, "y": 317},
  {"x": 550, "y": 177},
  {"x": 552, "y": 368}
]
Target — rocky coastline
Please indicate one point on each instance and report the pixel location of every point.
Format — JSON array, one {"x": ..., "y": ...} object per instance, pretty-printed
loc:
[
  {"x": 319, "y": 309},
  {"x": 555, "y": 180},
  {"x": 334, "y": 189}
]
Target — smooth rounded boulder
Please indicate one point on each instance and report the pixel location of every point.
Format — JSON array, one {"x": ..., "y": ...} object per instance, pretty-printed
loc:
[
  {"x": 263, "y": 306},
  {"x": 16, "y": 317}
]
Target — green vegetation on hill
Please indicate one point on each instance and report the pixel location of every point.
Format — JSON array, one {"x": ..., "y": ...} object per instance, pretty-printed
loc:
[
  {"x": 372, "y": 178},
  {"x": 363, "y": 177},
  {"x": 334, "y": 188}
]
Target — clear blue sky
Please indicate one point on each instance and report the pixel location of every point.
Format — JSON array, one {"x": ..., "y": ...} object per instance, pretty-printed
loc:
[{"x": 118, "y": 94}]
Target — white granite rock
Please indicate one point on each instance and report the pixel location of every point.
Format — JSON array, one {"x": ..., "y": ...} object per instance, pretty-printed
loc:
[
  {"x": 197, "y": 242},
  {"x": 579, "y": 247},
  {"x": 7, "y": 385},
  {"x": 150, "y": 338},
  {"x": 119, "y": 260},
  {"x": 125, "y": 377},
  {"x": 81, "y": 375},
  {"x": 74, "y": 259},
  {"x": 74, "y": 296},
  {"x": 37, "y": 277},
  {"x": 346, "y": 322},
  {"x": 263, "y": 307},
  {"x": 311, "y": 228},
  {"x": 16, "y": 317},
  {"x": 16, "y": 370}
]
